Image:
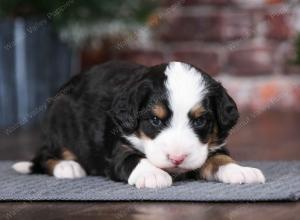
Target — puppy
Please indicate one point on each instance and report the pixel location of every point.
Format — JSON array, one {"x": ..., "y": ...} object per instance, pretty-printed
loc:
[{"x": 146, "y": 126}]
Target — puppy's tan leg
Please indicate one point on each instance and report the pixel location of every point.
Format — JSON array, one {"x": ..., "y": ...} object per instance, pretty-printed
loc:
[
  {"x": 66, "y": 167},
  {"x": 222, "y": 168},
  {"x": 212, "y": 164}
]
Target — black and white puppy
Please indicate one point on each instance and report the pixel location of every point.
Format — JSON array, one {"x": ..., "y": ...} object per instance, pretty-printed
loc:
[{"x": 143, "y": 125}]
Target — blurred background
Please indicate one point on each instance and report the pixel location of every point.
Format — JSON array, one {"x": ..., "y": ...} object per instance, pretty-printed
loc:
[{"x": 251, "y": 46}]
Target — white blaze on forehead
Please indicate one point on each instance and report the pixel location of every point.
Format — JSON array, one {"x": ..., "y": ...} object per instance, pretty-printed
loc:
[{"x": 186, "y": 88}]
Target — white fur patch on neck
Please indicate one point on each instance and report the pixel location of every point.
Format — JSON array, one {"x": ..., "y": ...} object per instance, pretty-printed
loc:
[
  {"x": 136, "y": 142},
  {"x": 186, "y": 88}
]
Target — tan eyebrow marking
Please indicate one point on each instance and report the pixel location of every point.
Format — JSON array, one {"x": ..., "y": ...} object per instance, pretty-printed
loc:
[
  {"x": 140, "y": 134},
  {"x": 159, "y": 110},
  {"x": 197, "y": 111},
  {"x": 213, "y": 137}
]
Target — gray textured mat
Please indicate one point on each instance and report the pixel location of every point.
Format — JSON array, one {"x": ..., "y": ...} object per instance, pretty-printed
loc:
[{"x": 283, "y": 183}]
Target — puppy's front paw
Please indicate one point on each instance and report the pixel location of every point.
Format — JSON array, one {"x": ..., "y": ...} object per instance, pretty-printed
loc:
[
  {"x": 145, "y": 175},
  {"x": 236, "y": 174},
  {"x": 68, "y": 169},
  {"x": 153, "y": 179}
]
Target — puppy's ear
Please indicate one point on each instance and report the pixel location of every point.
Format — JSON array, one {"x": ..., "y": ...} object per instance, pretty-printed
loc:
[
  {"x": 128, "y": 103},
  {"x": 226, "y": 111}
]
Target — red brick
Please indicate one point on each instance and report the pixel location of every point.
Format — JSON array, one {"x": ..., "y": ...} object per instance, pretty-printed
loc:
[
  {"x": 205, "y": 60},
  {"x": 292, "y": 69},
  {"x": 144, "y": 57},
  {"x": 212, "y": 2},
  {"x": 90, "y": 57},
  {"x": 274, "y": 1},
  {"x": 215, "y": 2},
  {"x": 296, "y": 94},
  {"x": 279, "y": 27},
  {"x": 168, "y": 3},
  {"x": 206, "y": 2},
  {"x": 211, "y": 27},
  {"x": 250, "y": 4},
  {"x": 253, "y": 60}
]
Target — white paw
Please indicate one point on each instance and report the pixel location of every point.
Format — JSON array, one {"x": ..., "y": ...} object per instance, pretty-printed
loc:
[
  {"x": 23, "y": 167},
  {"x": 68, "y": 169},
  {"x": 146, "y": 175},
  {"x": 236, "y": 174}
]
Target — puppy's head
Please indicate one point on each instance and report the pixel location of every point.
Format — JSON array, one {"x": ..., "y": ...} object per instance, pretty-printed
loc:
[{"x": 176, "y": 114}]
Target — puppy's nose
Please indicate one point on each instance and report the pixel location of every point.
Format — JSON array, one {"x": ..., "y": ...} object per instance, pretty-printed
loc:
[{"x": 177, "y": 159}]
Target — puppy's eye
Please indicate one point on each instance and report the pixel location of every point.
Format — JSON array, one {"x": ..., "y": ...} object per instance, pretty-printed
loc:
[
  {"x": 155, "y": 121},
  {"x": 199, "y": 122}
]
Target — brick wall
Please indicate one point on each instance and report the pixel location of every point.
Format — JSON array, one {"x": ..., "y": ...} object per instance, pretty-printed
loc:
[{"x": 246, "y": 44}]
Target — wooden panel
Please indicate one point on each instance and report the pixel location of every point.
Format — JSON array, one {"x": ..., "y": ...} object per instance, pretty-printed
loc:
[
  {"x": 150, "y": 211},
  {"x": 47, "y": 66},
  {"x": 272, "y": 135},
  {"x": 8, "y": 101}
]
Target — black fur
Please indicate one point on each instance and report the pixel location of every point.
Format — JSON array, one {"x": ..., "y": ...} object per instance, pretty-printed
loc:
[{"x": 94, "y": 110}]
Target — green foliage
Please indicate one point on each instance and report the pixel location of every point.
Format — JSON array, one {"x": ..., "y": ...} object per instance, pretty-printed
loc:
[
  {"x": 297, "y": 45},
  {"x": 62, "y": 12}
]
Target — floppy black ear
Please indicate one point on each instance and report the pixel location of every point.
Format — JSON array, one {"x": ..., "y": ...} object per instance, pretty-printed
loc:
[
  {"x": 127, "y": 105},
  {"x": 226, "y": 111}
]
